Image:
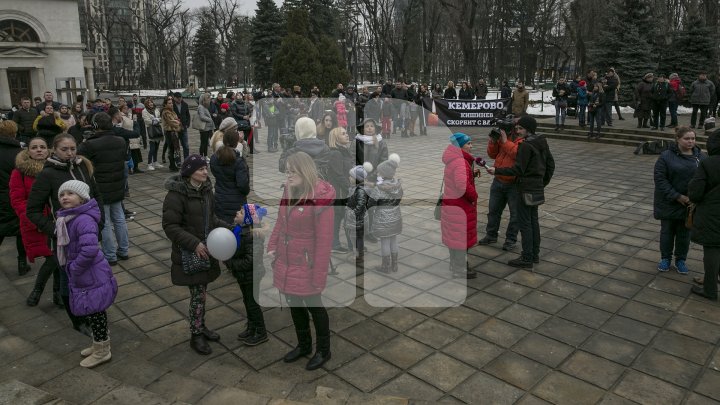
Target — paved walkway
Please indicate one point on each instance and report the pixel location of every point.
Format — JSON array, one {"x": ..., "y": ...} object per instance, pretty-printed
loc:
[{"x": 593, "y": 323}]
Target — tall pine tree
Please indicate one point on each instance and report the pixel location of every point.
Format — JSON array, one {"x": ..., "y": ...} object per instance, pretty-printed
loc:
[
  {"x": 691, "y": 51},
  {"x": 619, "y": 44},
  {"x": 268, "y": 30},
  {"x": 206, "y": 53},
  {"x": 332, "y": 64},
  {"x": 297, "y": 62}
]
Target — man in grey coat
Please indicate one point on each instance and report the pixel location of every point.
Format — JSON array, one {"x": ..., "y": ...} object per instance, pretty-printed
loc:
[{"x": 701, "y": 92}]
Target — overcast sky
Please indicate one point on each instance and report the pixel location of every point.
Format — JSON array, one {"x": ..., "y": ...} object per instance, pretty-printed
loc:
[{"x": 247, "y": 7}]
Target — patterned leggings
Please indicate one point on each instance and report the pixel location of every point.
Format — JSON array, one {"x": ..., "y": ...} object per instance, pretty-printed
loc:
[
  {"x": 98, "y": 325},
  {"x": 198, "y": 294}
]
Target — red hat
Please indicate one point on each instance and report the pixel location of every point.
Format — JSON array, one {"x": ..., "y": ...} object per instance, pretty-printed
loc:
[
  {"x": 582, "y": 83},
  {"x": 225, "y": 106}
]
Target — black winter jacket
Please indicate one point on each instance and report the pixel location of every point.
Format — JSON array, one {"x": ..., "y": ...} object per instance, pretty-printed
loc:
[
  {"x": 704, "y": 191},
  {"x": 45, "y": 190},
  {"x": 184, "y": 115},
  {"x": 673, "y": 172},
  {"x": 466, "y": 94},
  {"x": 24, "y": 120},
  {"x": 232, "y": 185},
  {"x": 374, "y": 154},
  {"x": 341, "y": 161},
  {"x": 9, "y": 148},
  {"x": 107, "y": 152},
  {"x": 534, "y": 165},
  {"x": 247, "y": 264},
  {"x": 450, "y": 93},
  {"x": 318, "y": 151},
  {"x": 184, "y": 212}
]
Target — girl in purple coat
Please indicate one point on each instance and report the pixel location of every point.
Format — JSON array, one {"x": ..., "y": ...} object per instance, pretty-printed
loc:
[{"x": 90, "y": 279}]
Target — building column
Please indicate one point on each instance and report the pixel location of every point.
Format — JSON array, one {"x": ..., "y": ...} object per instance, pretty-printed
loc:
[
  {"x": 5, "y": 100},
  {"x": 41, "y": 86},
  {"x": 90, "y": 80}
]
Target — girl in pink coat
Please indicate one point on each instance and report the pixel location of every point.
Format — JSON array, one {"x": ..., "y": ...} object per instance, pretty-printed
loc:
[
  {"x": 299, "y": 249},
  {"x": 341, "y": 111}
]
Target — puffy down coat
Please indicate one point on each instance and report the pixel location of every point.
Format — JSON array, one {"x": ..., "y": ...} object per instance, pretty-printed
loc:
[
  {"x": 21, "y": 181},
  {"x": 459, "y": 200},
  {"x": 673, "y": 172},
  {"x": 301, "y": 240},
  {"x": 384, "y": 207}
]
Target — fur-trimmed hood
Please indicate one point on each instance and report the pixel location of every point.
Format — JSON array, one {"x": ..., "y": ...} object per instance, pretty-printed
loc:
[
  {"x": 53, "y": 161},
  {"x": 27, "y": 166}
]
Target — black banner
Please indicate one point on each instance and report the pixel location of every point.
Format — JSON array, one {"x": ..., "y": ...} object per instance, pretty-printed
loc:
[{"x": 466, "y": 113}]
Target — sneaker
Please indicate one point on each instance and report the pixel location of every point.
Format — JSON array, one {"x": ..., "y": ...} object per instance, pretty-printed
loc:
[
  {"x": 509, "y": 245},
  {"x": 150, "y": 168},
  {"x": 681, "y": 267},
  {"x": 123, "y": 257},
  {"x": 486, "y": 240},
  {"x": 521, "y": 263},
  {"x": 129, "y": 213},
  {"x": 664, "y": 265},
  {"x": 158, "y": 165}
]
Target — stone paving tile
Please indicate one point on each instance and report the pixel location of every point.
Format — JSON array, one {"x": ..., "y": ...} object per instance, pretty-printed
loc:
[
  {"x": 585, "y": 315},
  {"x": 483, "y": 388},
  {"x": 516, "y": 370},
  {"x": 560, "y": 388},
  {"x": 434, "y": 333},
  {"x": 442, "y": 371},
  {"x": 462, "y": 318},
  {"x": 523, "y": 316},
  {"x": 646, "y": 313},
  {"x": 367, "y": 372},
  {"x": 696, "y": 399},
  {"x": 630, "y": 329},
  {"x": 669, "y": 368},
  {"x": 565, "y": 331},
  {"x": 179, "y": 388},
  {"x": 683, "y": 347},
  {"x": 410, "y": 387},
  {"x": 709, "y": 384},
  {"x": 156, "y": 318},
  {"x": 500, "y": 332},
  {"x": 487, "y": 303},
  {"x": 79, "y": 385},
  {"x": 601, "y": 300},
  {"x": 400, "y": 319},
  {"x": 539, "y": 348},
  {"x": 368, "y": 334},
  {"x": 544, "y": 302},
  {"x": 403, "y": 351},
  {"x": 593, "y": 369},
  {"x": 702, "y": 310},
  {"x": 36, "y": 368},
  {"x": 508, "y": 290},
  {"x": 695, "y": 328},
  {"x": 645, "y": 389},
  {"x": 562, "y": 288},
  {"x": 473, "y": 350},
  {"x": 612, "y": 348},
  {"x": 130, "y": 395}
]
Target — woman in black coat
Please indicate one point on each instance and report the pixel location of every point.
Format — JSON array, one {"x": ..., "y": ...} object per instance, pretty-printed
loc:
[
  {"x": 673, "y": 171},
  {"x": 704, "y": 192},
  {"x": 341, "y": 161},
  {"x": 9, "y": 223},
  {"x": 450, "y": 92},
  {"x": 466, "y": 93},
  {"x": 188, "y": 217},
  {"x": 232, "y": 178}
]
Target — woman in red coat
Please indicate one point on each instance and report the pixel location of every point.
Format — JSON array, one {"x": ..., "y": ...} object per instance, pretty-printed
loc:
[
  {"x": 299, "y": 249},
  {"x": 28, "y": 164},
  {"x": 459, "y": 204}
]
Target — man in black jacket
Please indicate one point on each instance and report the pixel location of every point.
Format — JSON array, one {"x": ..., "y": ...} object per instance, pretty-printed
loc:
[
  {"x": 47, "y": 101},
  {"x": 610, "y": 85},
  {"x": 108, "y": 152},
  {"x": 534, "y": 167},
  {"x": 183, "y": 112},
  {"x": 24, "y": 118}
]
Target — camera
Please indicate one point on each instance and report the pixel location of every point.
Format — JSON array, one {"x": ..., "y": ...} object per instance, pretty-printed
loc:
[
  {"x": 504, "y": 123},
  {"x": 287, "y": 138}
]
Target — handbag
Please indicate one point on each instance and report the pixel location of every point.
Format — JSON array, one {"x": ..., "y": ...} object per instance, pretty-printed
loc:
[
  {"x": 690, "y": 216},
  {"x": 197, "y": 123},
  {"x": 155, "y": 133},
  {"x": 532, "y": 199},
  {"x": 438, "y": 205},
  {"x": 191, "y": 262}
]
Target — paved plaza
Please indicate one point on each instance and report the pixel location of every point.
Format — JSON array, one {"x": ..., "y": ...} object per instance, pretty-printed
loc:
[{"x": 594, "y": 322}]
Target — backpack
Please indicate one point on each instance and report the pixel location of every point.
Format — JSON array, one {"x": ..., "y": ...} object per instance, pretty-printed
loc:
[
  {"x": 655, "y": 147},
  {"x": 660, "y": 91}
]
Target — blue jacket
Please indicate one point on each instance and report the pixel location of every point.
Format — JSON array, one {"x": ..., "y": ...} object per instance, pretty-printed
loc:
[
  {"x": 90, "y": 279},
  {"x": 232, "y": 185},
  {"x": 673, "y": 172}
]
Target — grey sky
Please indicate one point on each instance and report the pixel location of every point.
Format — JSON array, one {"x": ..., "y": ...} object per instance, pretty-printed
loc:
[{"x": 247, "y": 7}]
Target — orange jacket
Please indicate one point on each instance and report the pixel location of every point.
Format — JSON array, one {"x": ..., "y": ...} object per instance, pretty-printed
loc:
[{"x": 504, "y": 155}]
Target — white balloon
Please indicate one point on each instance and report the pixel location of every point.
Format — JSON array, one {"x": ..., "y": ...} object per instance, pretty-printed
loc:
[{"x": 221, "y": 243}]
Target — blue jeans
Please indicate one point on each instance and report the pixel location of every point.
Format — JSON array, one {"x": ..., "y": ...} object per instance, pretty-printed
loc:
[
  {"x": 152, "y": 153},
  {"x": 115, "y": 234},
  {"x": 183, "y": 135},
  {"x": 674, "y": 234},
  {"x": 502, "y": 194},
  {"x": 560, "y": 113},
  {"x": 581, "y": 113},
  {"x": 673, "y": 112},
  {"x": 529, "y": 229},
  {"x": 595, "y": 118}
]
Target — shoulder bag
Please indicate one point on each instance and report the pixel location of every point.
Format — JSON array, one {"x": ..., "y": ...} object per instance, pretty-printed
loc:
[{"x": 438, "y": 205}]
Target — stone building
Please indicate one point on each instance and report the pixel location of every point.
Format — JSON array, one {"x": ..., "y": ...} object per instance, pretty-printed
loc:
[{"x": 41, "y": 50}]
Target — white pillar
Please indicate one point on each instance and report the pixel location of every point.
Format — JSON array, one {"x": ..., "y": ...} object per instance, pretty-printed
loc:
[
  {"x": 90, "y": 80},
  {"x": 41, "y": 86},
  {"x": 5, "y": 100}
]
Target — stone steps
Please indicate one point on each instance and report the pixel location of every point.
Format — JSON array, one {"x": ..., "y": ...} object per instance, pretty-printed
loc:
[{"x": 612, "y": 135}]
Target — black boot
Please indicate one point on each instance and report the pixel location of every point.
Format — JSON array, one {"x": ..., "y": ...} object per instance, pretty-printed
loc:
[
  {"x": 394, "y": 262},
  {"x": 322, "y": 353},
  {"x": 639, "y": 122},
  {"x": 57, "y": 299},
  {"x": 34, "y": 296},
  {"x": 249, "y": 331},
  {"x": 199, "y": 344},
  {"x": 210, "y": 334},
  {"x": 303, "y": 348},
  {"x": 23, "y": 267},
  {"x": 259, "y": 336}
]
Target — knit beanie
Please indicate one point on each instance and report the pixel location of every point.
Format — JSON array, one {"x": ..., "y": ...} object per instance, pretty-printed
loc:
[
  {"x": 387, "y": 169},
  {"x": 674, "y": 76},
  {"x": 305, "y": 128},
  {"x": 648, "y": 76},
  {"x": 225, "y": 106},
  {"x": 361, "y": 172},
  {"x": 77, "y": 187},
  {"x": 192, "y": 164},
  {"x": 528, "y": 123},
  {"x": 459, "y": 139},
  {"x": 227, "y": 123},
  {"x": 582, "y": 83}
]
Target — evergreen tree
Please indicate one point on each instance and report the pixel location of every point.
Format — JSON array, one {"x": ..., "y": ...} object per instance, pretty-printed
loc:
[
  {"x": 691, "y": 51},
  {"x": 297, "y": 62},
  {"x": 620, "y": 45},
  {"x": 332, "y": 65},
  {"x": 205, "y": 53},
  {"x": 322, "y": 16},
  {"x": 267, "y": 28}
]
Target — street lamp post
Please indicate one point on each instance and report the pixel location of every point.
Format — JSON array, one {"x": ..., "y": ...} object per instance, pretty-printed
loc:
[
  {"x": 267, "y": 58},
  {"x": 349, "y": 49}
]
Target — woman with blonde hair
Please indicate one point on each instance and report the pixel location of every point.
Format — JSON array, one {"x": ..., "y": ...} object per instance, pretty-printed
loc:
[
  {"x": 151, "y": 117},
  {"x": 341, "y": 161},
  {"x": 450, "y": 92},
  {"x": 203, "y": 115},
  {"x": 299, "y": 250},
  {"x": 228, "y": 126}
]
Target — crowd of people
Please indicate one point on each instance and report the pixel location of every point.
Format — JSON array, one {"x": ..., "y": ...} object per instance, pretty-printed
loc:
[{"x": 65, "y": 177}]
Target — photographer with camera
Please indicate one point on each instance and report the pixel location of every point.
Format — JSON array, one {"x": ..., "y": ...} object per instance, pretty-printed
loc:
[
  {"x": 502, "y": 147},
  {"x": 534, "y": 167},
  {"x": 561, "y": 93}
]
